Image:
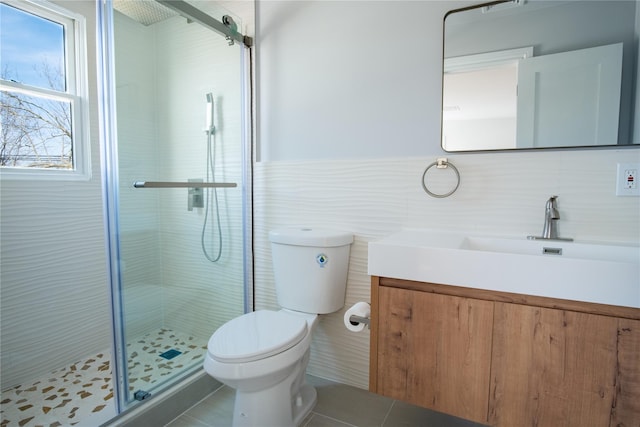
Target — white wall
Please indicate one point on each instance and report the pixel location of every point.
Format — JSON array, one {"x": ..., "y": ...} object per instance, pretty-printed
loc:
[
  {"x": 54, "y": 300},
  {"x": 348, "y": 79},
  {"x": 349, "y": 116}
]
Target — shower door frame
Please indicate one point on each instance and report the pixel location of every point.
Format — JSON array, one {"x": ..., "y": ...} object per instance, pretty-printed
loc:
[{"x": 110, "y": 192}]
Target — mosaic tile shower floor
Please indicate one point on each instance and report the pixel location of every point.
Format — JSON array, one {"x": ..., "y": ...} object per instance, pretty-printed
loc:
[{"x": 82, "y": 393}]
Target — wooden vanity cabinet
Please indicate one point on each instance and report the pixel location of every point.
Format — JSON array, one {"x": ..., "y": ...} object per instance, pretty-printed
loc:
[
  {"x": 435, "y": 351},
  {"x": 554, "y": 367},
  {"x": 505, "y": 359}
]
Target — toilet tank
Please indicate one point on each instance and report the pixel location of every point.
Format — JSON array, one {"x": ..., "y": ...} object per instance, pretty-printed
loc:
[{"x": 310, "y": 268}]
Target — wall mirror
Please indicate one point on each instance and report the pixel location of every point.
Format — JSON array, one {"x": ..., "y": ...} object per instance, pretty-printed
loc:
[{"x": 525, "y": 74}]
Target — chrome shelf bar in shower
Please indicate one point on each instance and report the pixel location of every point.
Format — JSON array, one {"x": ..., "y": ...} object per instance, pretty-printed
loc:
[
  {"x": 190, "y": 184},
  {"x": 195, "y": 14}
]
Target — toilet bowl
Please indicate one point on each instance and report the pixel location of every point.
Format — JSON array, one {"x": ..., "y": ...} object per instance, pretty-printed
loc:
[
  {"x": 263, "y": 355},
  {"x": 265, "y": 370}
]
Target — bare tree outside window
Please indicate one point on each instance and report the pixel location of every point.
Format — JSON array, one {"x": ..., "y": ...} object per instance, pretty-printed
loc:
[
  {"x": 40, "y": 101},
  {"x": 36, "y": 131}
]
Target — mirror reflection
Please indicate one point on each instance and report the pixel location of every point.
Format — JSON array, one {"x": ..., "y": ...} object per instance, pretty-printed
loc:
[{"x": 526, "y": 74}]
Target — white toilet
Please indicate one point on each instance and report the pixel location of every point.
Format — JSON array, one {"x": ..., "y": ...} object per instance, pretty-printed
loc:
[{"x": 264, "y": 354}]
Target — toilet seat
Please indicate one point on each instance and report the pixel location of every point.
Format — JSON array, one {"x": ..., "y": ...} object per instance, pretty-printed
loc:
[{"x": 256, "y": 335}]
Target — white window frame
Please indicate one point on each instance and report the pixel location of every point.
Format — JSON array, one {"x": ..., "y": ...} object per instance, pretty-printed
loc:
[{"x": 76, "y": 93}]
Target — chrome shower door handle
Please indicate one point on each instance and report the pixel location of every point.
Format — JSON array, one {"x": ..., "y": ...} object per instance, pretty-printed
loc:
[{"x": 166, "y": 184}]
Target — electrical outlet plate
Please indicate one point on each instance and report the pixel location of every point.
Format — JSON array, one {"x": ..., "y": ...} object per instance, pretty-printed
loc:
[{"x": 627, "y": 179}]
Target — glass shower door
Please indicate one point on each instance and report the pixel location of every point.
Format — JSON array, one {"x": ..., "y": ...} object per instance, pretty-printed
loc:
[{"x": 179, "y": 240}]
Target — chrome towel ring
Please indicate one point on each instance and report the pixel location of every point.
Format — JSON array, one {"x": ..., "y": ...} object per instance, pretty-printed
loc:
[{"x": 441, "y": 163}]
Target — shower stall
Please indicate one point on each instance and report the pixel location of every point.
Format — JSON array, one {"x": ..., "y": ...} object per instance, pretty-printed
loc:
[
  {"x": 177, "y": 184},
  {"x": 175, "y": 137}
]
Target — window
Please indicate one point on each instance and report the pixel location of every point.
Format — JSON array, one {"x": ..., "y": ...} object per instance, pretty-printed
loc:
[{"x": 43, "y": 102}]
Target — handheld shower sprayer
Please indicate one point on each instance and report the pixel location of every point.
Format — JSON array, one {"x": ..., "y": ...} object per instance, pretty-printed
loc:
[{"x": 210, "y": 127}]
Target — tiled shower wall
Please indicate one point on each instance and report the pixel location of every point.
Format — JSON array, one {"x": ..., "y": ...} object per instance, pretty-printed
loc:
[
  {"x": 162, "y": 79},
  {"x": 500, "y": 194},
  {"x": 200, "y": 296},
  {"x": 54, "y": 299}
]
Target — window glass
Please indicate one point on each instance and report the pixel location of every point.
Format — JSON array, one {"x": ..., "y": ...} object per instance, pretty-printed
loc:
[
  {"x": 36, "y": 132},
  {"x": 31, "y": 49},
  {"x": 42, "y": 91}
]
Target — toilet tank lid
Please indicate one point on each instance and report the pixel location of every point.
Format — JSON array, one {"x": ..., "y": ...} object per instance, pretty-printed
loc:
[{"x": 318, "y": 237}]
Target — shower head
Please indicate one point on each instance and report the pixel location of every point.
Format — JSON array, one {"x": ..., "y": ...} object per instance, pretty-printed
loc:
[{"x": 210, "y": 127}]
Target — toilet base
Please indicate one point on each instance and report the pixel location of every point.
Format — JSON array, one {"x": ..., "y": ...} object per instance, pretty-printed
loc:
[
  {"x": 253, "y": 409},
  {"x": 309, "y": 399}
]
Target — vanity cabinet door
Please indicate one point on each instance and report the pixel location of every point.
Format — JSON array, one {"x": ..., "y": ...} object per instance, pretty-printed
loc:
[
  {"x": 552, "y": 367},
  {"x": 435, "y": 351},
  {"x": 626, "y": 411}
]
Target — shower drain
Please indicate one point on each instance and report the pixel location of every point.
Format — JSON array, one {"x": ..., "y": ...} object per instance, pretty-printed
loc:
[{"x": 170, "y": 354}]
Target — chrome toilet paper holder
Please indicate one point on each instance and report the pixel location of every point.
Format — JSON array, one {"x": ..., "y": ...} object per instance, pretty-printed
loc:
[{"x": 355, "y": 319}]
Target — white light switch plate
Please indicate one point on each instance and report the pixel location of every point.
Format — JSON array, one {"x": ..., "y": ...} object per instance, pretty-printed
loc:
[{"x": 627, "y": 179}]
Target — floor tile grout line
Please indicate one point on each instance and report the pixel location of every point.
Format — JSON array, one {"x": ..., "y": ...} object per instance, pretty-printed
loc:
[
  {"x": 334, "y": 419},
  {"x": 386, "y": 417},
  {"x": 186, "y": 412},
  {"x": 308, "y": 418},
  {"x": 182, "y": 417}
]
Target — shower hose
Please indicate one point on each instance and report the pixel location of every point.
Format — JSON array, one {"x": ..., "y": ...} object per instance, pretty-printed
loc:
[{"x": 211, "y": 173}]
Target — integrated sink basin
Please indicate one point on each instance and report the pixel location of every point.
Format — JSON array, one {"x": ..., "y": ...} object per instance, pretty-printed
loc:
[
  {"x": 592, "y": 251},
  {"x": 580, "y": 271}
]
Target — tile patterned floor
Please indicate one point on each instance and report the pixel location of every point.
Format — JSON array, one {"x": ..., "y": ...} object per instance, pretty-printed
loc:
[
  {"x": 78, "y": 392},
  {"x": 338, "y": 405},
  {"x": 63, "y": 397}
]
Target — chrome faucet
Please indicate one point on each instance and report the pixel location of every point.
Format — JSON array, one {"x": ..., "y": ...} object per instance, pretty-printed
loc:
[{"x": 551, "y": 216}]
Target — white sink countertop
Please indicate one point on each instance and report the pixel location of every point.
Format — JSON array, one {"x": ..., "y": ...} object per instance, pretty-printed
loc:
[{"x": 580, "y": 271}]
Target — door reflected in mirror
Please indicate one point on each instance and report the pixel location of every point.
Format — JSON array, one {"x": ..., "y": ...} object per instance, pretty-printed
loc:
[{"x": 529, "y": 74}]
